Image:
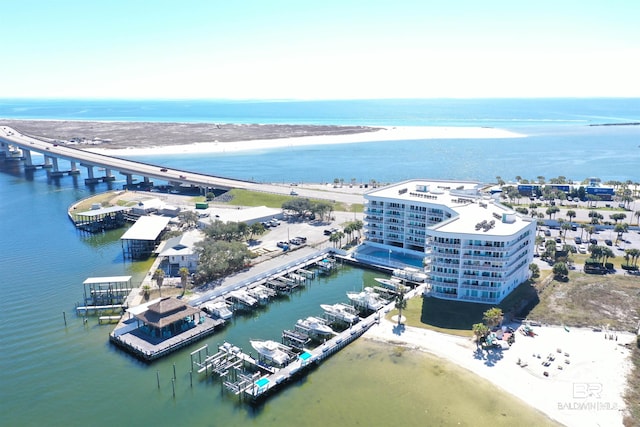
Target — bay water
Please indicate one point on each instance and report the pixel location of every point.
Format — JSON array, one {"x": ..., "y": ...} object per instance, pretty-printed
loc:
[{"x": 70, "y": 375}]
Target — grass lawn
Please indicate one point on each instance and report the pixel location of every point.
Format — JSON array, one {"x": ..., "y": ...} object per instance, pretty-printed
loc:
[{"x": 256, "y": 198}]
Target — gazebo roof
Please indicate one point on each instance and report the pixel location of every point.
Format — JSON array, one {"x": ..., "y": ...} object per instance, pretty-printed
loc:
[{"x": 165, "y": 312}]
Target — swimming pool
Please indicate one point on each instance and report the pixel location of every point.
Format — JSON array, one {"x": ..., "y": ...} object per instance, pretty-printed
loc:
[{"x": 396, "y": 259}]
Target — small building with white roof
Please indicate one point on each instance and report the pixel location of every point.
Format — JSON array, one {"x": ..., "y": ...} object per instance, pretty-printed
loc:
[
  {"x": 476, "y": 249},
  {"x": 144, "y": 236},
  {"x": 180, "y": 252}
]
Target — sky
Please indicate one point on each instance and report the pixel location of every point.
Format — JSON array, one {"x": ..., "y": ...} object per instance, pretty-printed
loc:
[{"x": 280, "y": 49}]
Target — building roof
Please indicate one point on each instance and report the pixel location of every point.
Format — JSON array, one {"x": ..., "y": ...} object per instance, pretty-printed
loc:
[
  {"x": 484, "y": 217},
  {"x": 241, "y": 215},
  {"x": 103, "y": 211},
  {"x": 463, "y": 200},
  {"x": 183, "y": 244},
  {"x": 146, "y": 228},
  {"x": 106, "y": 279},
  {"x": 165, "y": 312}
]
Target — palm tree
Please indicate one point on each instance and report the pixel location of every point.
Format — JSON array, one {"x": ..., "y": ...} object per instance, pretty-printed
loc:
[
  {"x": 637, "y": 215},
  {"x": 571, "y": 214},
  {"x": 492, "y": 317},
  {"x": 158, "y": 276},
  {"x": 184, "y": 278},
  {"x": 480, "y": 330},
  {"x": 566, "y": 226},
  {"x": 401, "y": 304}
]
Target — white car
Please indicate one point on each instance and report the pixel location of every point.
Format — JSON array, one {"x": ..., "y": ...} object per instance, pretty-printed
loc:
[{"x": 582, "y": 249}]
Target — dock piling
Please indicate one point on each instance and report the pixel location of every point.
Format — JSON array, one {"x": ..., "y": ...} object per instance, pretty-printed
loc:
[
  {"x": 174, "y": 371},
  {"x": 173, "y": 386},
  {"x": 64, "y": 316},
  {"x": 158, "y": 378}
]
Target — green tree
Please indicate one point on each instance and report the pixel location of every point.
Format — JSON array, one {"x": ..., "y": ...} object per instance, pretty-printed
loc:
[
  {"x": 560, "y": 270},
  {"x": 401, "y": 303},
  {"x": 184, "y": 278},
  {"x": 158, "y": 276},
  {"x": 620, "y": 229},
  {"x": 480, "y": 331},
  {"x": 535, "y": 270},
  {"x": 571, "y": 214},
  {"x": 219, "y": 258},
  {"x": 189, "y": 218},
  {"x": 492, "y": 317}
]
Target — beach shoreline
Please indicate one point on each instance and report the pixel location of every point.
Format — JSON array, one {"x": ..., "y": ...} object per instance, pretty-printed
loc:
[
  {"x": 584, "y": 385},
  {"x": 144, "y": 138}
]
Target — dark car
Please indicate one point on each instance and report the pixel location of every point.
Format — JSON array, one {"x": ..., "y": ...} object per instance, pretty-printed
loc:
[
  {"x": 593, "y": 241},
  {"x": 608, "y": 242},
  {"x": 547, "y": 233},
  {"x": 163, "y": 170},
  {"x": 578, "y": 240}
]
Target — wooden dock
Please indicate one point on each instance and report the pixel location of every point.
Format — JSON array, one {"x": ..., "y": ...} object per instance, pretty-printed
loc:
[
  {"x": 252, "y": 380},
  {"x": 149, "y": 348}
]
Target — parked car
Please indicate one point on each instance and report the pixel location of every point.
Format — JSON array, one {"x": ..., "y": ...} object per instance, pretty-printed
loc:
[
  {"x": 547, "y": 233},
  {"x": 608, "y": 242},
  {"x": 558, "y": 240},
  {"x": 293, "y": 193},
  {"x": 578, "y": 240},
  {"x": 593, "y": 242}
]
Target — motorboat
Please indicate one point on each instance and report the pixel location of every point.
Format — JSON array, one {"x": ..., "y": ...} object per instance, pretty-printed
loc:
[
  {"x": 271, "y": 350},
  {"x": 341, "y": 312},
  {"x": 393, "y": 284},
  {"x": 244, "y": 298},
  {"x": 315, "y": 326},
  {"x": 366, "y": 299},
  {"x": 409, "y": 273},
  {"x": 219, "y": 309},
  {"x": 260, "y": 293}
]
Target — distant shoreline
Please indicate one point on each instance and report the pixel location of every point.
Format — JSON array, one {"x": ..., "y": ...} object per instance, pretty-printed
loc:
[
  {"x": 616, "y": 124},
  {"x": 144, "y": 138}
]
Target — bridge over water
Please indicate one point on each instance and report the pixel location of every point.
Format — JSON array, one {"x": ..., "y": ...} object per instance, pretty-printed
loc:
[{"x": 100, "y": 167}]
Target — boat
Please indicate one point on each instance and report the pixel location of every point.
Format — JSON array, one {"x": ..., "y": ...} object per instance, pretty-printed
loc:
[
  {"x": 219, "y": 309},
  {"x": 409, "y": 273},
  {"x": 341, "y": 312},
  {"x": 366, "y": 299},
  {"x": 244, "y": 298},
  {"x": 393, "y": 284},
  {"x": 314, "y": 326},
  {"x": 271, "y": 350},
  {"x": 260, "y": 294}
]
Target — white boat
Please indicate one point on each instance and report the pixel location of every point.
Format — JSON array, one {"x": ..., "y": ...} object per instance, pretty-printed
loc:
[
  {"x": 219, "y": 309},
  {"x": 393, "y": 284},
  {"x": 341, "y": 312},
  {"x": 315, "y": 326},
  {"x": 271, "y": 351},
  {"x": 409, "y": 273},
  {"x": 244, "y": 298},
  {"x": 259, "y": 294},
  {"x": 366, "y": 299}
]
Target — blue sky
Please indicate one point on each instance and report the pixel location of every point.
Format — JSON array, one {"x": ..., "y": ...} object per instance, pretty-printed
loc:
[{"x": 279, "y": 49}]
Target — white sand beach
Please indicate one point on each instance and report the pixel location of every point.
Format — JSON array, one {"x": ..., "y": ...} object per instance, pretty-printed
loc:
[
  {"x": 585, "y": 382},
  {"x": 385, "y": 134}
]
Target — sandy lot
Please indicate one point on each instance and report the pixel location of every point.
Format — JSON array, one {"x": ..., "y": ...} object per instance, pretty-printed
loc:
[{"x": 585, "y": 382}]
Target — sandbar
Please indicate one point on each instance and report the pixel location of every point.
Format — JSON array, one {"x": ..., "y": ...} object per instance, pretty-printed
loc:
[
  {"x": 585, "y": 383},
  {"x": 143, "y": 138},
  {"x": 380, "y": 135}
]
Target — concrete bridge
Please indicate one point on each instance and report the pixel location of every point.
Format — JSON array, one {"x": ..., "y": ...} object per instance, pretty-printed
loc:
[
  {"x": 16, "y": 145},
  {"x": 100, "y": 168}
]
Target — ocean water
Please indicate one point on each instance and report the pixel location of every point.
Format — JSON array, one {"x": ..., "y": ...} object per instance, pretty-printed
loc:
[{"x": 59, "y": 375}]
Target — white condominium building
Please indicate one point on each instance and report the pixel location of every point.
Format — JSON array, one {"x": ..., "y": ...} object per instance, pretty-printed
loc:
[{"x": 475, "y": 249}]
